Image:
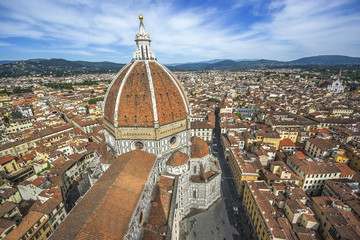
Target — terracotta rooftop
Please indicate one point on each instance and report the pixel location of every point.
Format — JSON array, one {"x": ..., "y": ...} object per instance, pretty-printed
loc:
[
  {"x": 345, "y": 169},
  {"x": 28, "y": 221},
  {"x": 345, "y": 223},
  {"x": 314, "y": 167},
  {"x": 47, "y": 207},
  {"x": 157, "y": 221},
  {"x": 6, "y": 159},
  {"x": 7, "y": 192},
  {"x": 105, "y": 211},
  {"x": 287, "y": 142},
  {"x": 6, "y": 207},
  {"x": 342, "y": 189},
  {"x": 199, "y": 148},
  {"x": 4, "y": 224},
  {"x": 177, "y": 158},
  {"x": 323, "y": 144},
  {"x": 201, "y": 125},
  {"x": 263, "y": 198},
  {"x": 133, "y": 101},
  {"x": 38, "y": 181}
]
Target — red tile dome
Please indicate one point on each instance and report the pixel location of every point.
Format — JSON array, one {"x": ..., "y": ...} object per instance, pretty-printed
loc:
[
  {"x": 145, "y": 94},
  {"x": 199, "y": 148},
  {"x": 177, "y": 159}
]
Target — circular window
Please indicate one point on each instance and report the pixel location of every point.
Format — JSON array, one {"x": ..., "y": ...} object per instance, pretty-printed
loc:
[
  {"x": 139, "y": 145},
  {"x": 173, "y": 140}
]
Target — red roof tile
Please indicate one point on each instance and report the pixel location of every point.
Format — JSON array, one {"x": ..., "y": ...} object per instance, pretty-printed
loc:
[
  {"x": 135, "y": 106},
  {"x": 105, "y": 211},
  {"x": 199, "y": 148},
  {"x": 6, "y": 159},
  {"x": 177, "y": 158}
]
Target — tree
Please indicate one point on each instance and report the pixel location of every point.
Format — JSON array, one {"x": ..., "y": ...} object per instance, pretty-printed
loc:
[
  {"x": 95, "y": 100},
  {"x": 87, "y": 108},
  {"x": 238, "y": 114},
  {"x": 5, "y": 119},
  {"x": 213, "y": 100},
  {"x": 16, "y": 114},
  {"x": 21, "y": 90}
]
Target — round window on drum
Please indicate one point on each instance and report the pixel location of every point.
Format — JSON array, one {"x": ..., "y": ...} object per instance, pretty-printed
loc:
[
  {"x": 174, "y": 141},
  {"x": 139, "y": 145}
]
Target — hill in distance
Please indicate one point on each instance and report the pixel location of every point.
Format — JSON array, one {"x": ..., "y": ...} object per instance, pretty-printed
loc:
[
  {"x": 323, "y": 60},
  {"x": 56, "y": 67},
  {"x": 62, "y": 67}
]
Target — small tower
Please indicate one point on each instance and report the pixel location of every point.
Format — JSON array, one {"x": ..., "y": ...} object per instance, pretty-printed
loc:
[{"x": 142, "y": 39}]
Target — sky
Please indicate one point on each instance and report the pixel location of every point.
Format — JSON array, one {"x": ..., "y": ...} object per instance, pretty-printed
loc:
[{"x": 180, "y": 30}]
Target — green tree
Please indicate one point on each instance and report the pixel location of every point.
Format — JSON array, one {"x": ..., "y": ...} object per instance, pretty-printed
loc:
[
  {"x": 21, "y": 90},
  {"x": 238, "y": 114},
  {"x": 16, "y": 114},
  {"x": 213, "y": 100},
  {"x": 5, "y": 119},
  {"x": 95, "y": 100}
]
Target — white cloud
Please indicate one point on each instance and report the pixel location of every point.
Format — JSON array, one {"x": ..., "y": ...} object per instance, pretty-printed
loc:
[
  {"x": 4, "y": 44},
  {"x": 67, "y": 52},
  {"x": 104, "y": 50},
  {"x": 290, "y": 29}
]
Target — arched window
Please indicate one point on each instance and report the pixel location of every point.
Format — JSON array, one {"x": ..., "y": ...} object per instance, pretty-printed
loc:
[
  {"x": 141, "y": 218},
  {"x": 194, "y": 194},
  {"x": 194, "y": 169},
  {"x": 142, "y": 53}
]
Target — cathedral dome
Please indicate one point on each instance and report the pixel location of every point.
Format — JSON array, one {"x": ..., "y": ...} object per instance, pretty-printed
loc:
[
  {"x": 199, "y": 148},
  {"x": 144, "y": 94},
  {"x": 177, "y": 159}
]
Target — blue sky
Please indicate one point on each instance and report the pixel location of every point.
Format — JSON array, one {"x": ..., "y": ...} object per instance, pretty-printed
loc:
[{"x": 180, "y": 30}]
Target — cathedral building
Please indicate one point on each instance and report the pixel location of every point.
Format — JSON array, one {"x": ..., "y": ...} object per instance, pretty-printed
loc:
[
  {"x": 337, "y": 86},
  {"x": 152, "y": 172}
]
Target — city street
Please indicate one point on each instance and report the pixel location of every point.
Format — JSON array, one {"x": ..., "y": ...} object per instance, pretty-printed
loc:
[
  {"x": 225, "y": 220},
  {"x": 231, "y": 198}
]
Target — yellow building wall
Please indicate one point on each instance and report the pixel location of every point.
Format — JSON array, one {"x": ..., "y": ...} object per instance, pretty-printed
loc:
[
  {"x": 354, "y": 160},
  {"x": 288, "y": 134},
  {"x": 237, "y": 175},
  {"x": 323, "y": 229},
  {"x": 9, "y": 166},
  {"x": 341, "y": 157},
  {"x": 275, "y": 142},
  {"x": 43, "y": 231},
  {"x": 255, "y": 217},
  {"x": 15, "y": 198}
]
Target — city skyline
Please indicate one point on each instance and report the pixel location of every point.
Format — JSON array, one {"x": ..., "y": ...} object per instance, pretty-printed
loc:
[{"x": 181, "y": 32}]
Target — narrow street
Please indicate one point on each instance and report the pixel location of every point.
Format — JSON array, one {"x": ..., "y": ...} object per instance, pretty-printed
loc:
[
  {"x": 233, "y": 202},
  {"x": 225, "y": 220}
]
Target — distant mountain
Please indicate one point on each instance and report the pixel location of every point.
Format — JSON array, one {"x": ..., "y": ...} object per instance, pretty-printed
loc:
[
  {"x": 245, "y": 59},
  {"x": 56, "y": 67},
  {"x": 8, "y": 61},
  {"x": 226, "y": 65},
  {"x": 209, "y": 61},
  {"x": 62, "y": 67},
  {"x": 324, "y": 60}
]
